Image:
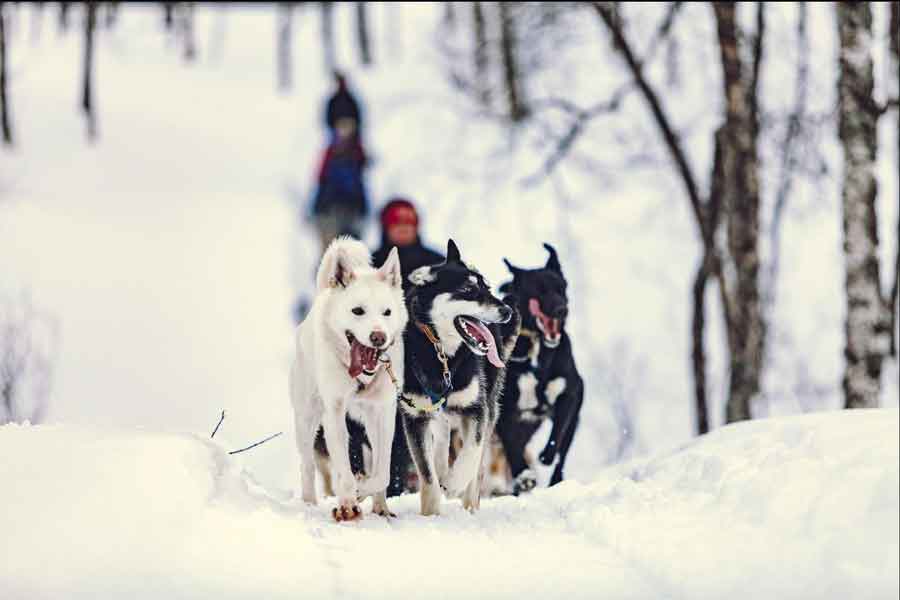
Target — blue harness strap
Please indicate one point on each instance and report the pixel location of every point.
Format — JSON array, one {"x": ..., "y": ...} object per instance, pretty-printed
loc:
[{"x": 437, "y": 399}]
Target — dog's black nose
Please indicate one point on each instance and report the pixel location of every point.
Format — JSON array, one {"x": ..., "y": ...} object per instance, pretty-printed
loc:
[
  {"x": 378, "y": 339},
  {"x": 505, "y": 314},
  {"x": 561, "y": 312}
]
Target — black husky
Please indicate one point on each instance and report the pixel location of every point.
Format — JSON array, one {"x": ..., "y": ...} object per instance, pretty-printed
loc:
[
  {"x": 456, "y": 342},
  {"x": 542, "y": 381}
]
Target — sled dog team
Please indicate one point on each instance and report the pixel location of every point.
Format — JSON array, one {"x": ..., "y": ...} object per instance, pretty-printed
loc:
[{"x": 455, "y": 360}]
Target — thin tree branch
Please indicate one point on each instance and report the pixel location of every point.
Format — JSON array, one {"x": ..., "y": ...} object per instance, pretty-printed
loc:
[
  {"x": 580, "y": 118},
  {"x": 222, "y": 418},
  {"x": 789, "y": 156},
  {"x": 662, "y": 32},
  {"x": 698, "y": 349},
  {"x": 273, "y": 436},
  {"x": 673, "y": 142}
]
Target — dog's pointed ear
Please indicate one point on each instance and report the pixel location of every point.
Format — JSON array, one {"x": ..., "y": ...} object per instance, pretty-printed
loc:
[
  {"x": 512, "y": 269},
  {"x": 336, "y": 269},
  {"x": 421, "y": 276},
  {"x": 390, "y": 270},
  {"x": 553, "y": 261},
  {"x": 453, "y": 252}
]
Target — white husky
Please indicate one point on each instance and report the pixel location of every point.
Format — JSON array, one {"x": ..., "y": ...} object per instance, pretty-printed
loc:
[{"x": 349, "y": 350}]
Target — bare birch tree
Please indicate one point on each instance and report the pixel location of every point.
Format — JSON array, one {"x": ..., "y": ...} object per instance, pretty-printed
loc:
[
  {"x": 87, "y": 91},
  {"x": 866, "y": 325},
  {"x": 745, "y": 327},
  {"x": 480, "y": 54},
  {"x": 894, "y": 298},
  {"x": 63, "y": 23},
  {"x": 327, "y": 33},
  {"x": 5, "y": 124},
  {"x": 362, "y": 34},
  {"x": 509, "y": 54},
  {"x": 285, "y": 52},
  {"x": 186, "y": 29}
]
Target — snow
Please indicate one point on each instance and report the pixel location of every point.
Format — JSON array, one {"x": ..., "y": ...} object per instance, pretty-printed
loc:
[{"x": 792, "y": 507}]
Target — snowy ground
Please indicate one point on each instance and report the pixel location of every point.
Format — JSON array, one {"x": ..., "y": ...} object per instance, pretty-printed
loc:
[{"x": 796, "y": 507}]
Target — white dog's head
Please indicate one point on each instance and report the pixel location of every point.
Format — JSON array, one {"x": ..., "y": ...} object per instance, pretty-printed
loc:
[{"x": 364, "y": 309}]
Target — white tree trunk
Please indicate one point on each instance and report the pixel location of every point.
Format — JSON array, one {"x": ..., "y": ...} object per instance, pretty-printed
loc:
[{"x": 866, "y": 325}]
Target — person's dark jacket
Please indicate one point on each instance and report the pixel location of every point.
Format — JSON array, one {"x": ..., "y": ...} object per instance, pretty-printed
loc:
[
  {"x": 342, "y": 105},
  {"x": 412, "y": 257},
  {"x": 340, "y": 179}
]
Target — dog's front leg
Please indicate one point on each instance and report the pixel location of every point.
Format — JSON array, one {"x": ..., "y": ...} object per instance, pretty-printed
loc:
[
  {"x": 381, "y": 436},
  {"x": 471, "y": 499},
  {"x": 334, "y": 422},
  {"x": 565, "y": 409},
  {"x": 421, "y": 447},
  {"x": 307, "y": 417},
  {"x": 577, "y": 396},
  {"x": 441, "y": 430},
  {"x": 464, "y": 472}
]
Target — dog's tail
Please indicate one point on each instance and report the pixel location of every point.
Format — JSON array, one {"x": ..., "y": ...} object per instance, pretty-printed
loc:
[{"x": 343, "y": 259}]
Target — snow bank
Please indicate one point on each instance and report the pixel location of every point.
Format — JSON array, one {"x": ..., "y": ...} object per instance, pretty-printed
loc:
[{"x": 800, "y": 507}]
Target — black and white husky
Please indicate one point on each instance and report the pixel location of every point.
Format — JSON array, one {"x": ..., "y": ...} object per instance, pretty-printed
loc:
[
  {"x": 458, "y": 337},
  {"x": 347, "y": 373},
  {"x": 542, "y": 381}
]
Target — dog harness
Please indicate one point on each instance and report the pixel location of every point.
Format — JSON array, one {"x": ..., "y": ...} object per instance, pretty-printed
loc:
[
  {"x": 438, "y": 399},
  {"x": 533, "y": 350},
  {"x": 541, "y": 374}
]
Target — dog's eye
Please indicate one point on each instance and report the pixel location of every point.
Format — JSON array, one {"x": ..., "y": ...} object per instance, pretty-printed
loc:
[
  {"x": 358, "y": 311},
  {"x": 387, "y": 312}
]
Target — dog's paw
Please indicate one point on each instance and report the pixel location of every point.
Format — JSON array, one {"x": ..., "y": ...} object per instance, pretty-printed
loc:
[
  {"x": 346, "y": 511},
  {"x": 384, "y": 512},
  {"x": 380, "y": 506},
  {"x": 525, "y": 482}
]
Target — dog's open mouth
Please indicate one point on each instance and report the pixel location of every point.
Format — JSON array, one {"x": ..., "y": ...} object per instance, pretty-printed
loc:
[
  {"x": 551, "y": 328},
  {"x": 363, "y": 359},
  {"x": 478, "y": 338}
]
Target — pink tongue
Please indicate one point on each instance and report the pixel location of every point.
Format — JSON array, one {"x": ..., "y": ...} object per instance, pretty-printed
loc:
[
  {"x": 356, "y": 359},
  {"x": 553, "y": 327},
  {"x": 492, "y": 355}
]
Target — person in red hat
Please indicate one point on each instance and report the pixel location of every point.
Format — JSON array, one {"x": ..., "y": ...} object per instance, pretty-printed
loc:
[{"x": 400, "y": 228}]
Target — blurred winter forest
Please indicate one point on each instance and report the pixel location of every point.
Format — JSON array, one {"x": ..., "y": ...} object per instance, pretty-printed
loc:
[{"x": 721, "y": 181}]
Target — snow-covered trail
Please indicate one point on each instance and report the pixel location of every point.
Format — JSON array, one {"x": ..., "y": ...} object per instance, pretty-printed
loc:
[{"x": 802, "y": 507}]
